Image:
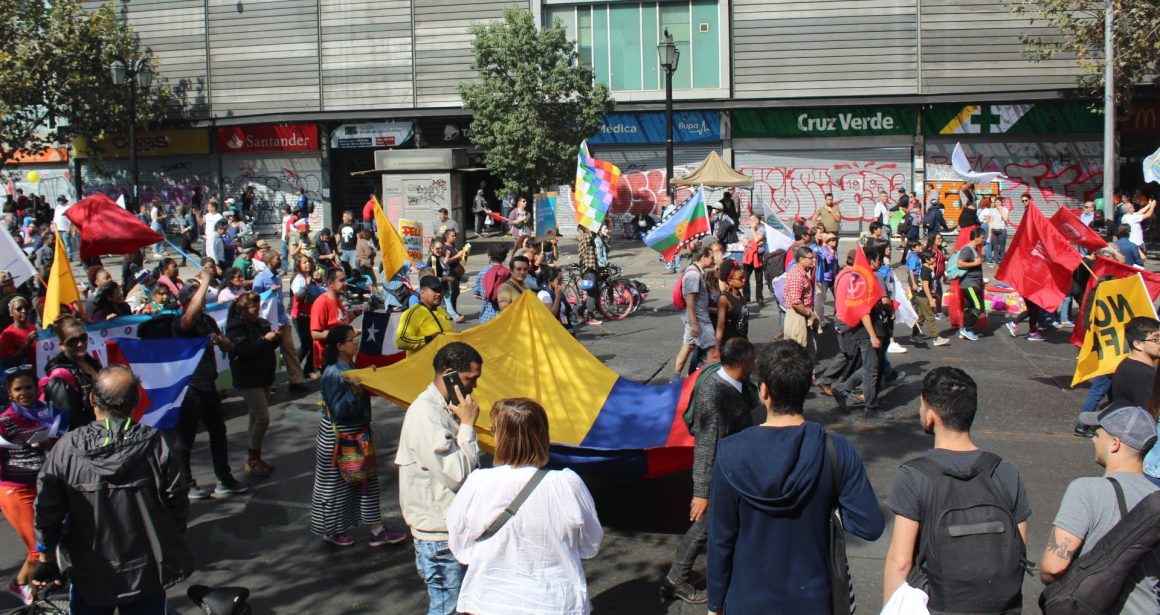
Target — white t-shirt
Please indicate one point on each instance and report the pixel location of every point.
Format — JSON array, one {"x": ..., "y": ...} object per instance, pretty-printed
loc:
[
  {"x": 993, "y": 218},
  {"x": 535, "y": 559},
  {"x": 1133, "y": 221},
  {"x": 63, "y": 224},
  {"x": 882, "y": 213},
  {"x": 211, "y": 221}
]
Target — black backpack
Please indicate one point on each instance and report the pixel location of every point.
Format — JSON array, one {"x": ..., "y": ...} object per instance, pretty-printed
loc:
[
  {"x": 1095, "y": 582},
  {"x": 905, "y": 224},
  {"x": 975, "y": 557}
]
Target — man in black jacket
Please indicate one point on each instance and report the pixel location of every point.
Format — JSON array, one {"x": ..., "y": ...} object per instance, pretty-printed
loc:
[
  {"x": 723, "y": 403},
  {"x": 125, "y": 499}
]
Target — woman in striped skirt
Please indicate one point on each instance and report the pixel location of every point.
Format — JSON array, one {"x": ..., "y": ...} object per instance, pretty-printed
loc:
[{"x": 337, "y": 505}]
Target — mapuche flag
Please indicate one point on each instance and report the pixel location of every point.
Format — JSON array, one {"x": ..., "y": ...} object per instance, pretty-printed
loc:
[
  {"x": 686, "y": 226},
  {"x": 1039, "y": 262},
  {"x": 856, "y": 291}
]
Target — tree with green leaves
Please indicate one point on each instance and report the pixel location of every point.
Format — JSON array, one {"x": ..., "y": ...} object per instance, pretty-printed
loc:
[
  {"x": 1080, "y": 23},
  {"x": 55, "y": 84},
  {"x": 534, "y": 101}
]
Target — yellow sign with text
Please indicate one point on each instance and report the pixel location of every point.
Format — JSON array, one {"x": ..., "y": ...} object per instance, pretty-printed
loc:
[
  {"x": 177, "y": 142},
  {"x": 1115, "y": 303}
]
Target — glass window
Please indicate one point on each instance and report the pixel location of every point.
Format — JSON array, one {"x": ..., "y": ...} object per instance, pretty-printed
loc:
[{"x": 619, "y": 41}]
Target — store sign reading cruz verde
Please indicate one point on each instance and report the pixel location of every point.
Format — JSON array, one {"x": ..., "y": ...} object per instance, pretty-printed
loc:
[{"x": 824, "y": 122}]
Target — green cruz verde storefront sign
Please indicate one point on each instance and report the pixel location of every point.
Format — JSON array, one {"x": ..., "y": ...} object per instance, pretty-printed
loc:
[
  {"x": 1017, "y": 119},
  {"x": 824, "y": 122}
]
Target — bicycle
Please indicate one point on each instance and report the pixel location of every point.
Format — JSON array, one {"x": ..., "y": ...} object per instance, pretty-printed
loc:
[
  {"x": 51, "y": 600},
  {"x": 616, "y": 297}
]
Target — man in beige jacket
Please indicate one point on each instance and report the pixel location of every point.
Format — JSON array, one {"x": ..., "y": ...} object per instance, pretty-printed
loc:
[{"x": 437, "y": 450}]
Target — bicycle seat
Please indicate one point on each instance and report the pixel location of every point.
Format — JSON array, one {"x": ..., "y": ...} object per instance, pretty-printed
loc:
[{"x": 220, "y": 600}]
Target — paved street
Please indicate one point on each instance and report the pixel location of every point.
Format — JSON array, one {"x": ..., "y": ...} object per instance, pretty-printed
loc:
[{"x": 261, "y": 540}]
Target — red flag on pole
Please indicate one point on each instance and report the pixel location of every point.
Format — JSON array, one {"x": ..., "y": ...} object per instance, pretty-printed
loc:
[
  {"x": 108, "y": 229},
  {"x": 1069, "y": 225},
  {"x": 953, "y": 297},
  {"x": 856, "y": 290},
  {"x": 1106, "y": 267},
  {"x": 1039, "y": 262}
]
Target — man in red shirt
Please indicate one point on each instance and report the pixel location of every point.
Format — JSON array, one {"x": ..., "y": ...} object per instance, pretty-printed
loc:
[
  {"x": 801, "y": 321},
  {"x": 368, "y": 213},
  {"x": 328, "y": 311}
]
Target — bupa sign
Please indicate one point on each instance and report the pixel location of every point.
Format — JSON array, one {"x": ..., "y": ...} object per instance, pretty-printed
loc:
[{"x": 649, "y": 128}]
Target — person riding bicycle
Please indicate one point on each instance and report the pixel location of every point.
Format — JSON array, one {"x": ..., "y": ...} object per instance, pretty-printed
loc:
[{"x": 590, "y": 274}]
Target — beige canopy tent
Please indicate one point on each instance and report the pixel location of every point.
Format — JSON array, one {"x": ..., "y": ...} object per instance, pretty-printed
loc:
[{"x": 714, "y": 172}]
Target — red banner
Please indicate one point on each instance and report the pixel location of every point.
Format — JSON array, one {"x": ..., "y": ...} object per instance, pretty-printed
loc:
[
  {"x": 856, "y": 291},
  {"x": 268, "y": 138},
  {"x": 1039, "y": 261},
  {"x": 1067, "y": 223}
]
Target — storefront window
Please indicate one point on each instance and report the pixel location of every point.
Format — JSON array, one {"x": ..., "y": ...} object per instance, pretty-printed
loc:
[{"x": 619, "y": 39}]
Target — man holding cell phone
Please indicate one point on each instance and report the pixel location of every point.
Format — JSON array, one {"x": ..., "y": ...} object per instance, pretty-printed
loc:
[{"x": 437, "y": 450}]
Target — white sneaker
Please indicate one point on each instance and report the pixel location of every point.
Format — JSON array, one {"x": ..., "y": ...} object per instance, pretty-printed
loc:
[
  {"x": 1010, "y": 328},
  {"x": 895, "y": 348},
  {"x": 941, "y": 341}
]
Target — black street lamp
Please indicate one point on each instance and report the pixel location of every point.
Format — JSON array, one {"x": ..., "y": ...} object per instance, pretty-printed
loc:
[
  {"x": 134, "y": 74},
  {"x": 670, "y": 56}
]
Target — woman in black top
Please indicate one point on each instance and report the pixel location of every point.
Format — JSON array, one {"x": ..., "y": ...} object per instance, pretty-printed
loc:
[
  {"x": 732, "y": 312},
  {"x": 252, "y": 363},
  {"x": 969, "y": 202}
]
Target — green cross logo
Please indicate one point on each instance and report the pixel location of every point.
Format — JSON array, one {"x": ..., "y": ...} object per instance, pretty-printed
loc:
[{"x": 985, "y": 118}]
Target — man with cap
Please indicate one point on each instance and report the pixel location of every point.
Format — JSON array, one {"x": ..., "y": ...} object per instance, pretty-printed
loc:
[
  {"x": 262, "y": 253},
  {"x": 203, "y": 403},
  {"x": 1091, "y": 506},
  {"x": 245, "y": 260},
  {"x": 424, "y": 320}
]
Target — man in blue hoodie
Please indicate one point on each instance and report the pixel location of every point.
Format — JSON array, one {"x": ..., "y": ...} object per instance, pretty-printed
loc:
[{"x": 771, "y": 496}]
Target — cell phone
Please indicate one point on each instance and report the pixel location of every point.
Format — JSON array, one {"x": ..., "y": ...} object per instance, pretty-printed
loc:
[{"x": 451, "y": 380}]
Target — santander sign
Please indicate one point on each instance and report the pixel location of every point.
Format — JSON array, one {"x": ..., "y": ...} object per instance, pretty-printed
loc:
[{"x": 268, "y": 138}]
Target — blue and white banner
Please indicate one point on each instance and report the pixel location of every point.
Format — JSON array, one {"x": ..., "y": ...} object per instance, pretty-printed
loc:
[
  {"x": 649, "y": 127},
  {"x": 165, "y": 368}
]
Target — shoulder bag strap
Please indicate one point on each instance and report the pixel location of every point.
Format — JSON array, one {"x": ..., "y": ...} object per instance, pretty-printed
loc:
[
  {"x": 1121, "y": 501},
  {"x": 835, "y": 473},
  {"x": 514, "y": 507}
]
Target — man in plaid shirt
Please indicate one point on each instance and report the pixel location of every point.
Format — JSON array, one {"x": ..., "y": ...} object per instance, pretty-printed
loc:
[{"x": 801, "y": 321}]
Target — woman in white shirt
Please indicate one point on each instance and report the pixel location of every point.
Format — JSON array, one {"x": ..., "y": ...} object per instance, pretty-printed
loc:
[
  {"x": 531, "y": 565},
  {"x": 996, "y": 219}
]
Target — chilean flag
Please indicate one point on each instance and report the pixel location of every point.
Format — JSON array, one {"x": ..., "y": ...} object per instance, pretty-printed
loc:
[
  {"x": 165, "y": 367},
  {"x": 377, "y": 348}
]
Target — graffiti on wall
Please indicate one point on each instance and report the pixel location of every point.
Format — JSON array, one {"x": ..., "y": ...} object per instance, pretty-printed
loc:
[
  {"x": 53, "y": 183},
  {"x": 643, "y": 191},
  {"x": 430, "y": 193},
  {"x": 173, "y": 183},
  {"x": 276, "y": 183},
  {"x": 800, "y": 191},
  {"x": 1055, "y": 174}
]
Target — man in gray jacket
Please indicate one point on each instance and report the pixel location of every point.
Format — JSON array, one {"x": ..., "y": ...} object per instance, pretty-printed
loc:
[
  {"x": 723, "y": 403},
  {"x": 437, "y": 450},
  {"x": 125, "y": 499}
]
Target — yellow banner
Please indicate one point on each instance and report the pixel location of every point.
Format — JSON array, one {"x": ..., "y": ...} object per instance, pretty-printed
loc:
[
  {"x": 1115, "y": 303},
  {"x": 179, "y": 142}
]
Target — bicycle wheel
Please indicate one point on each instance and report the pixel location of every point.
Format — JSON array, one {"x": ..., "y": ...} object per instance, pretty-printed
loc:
[{"x": 617, "y": 300}]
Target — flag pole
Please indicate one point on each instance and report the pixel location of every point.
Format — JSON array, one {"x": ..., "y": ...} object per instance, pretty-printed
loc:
[{"x": 180, "y": 251}]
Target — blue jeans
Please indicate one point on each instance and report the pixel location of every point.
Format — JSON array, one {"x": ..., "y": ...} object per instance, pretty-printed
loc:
[
  {"x": 149, "y": 604},
  {"x": 442, "y": 573},
  {"x": 1096, "y": 394},
  {"x": 1065, "y": 310},
  {"x": 999, "y": 243},
  {"x": 348, "y": 257},
  {"x": 286, "y": 265},
  {"x": 66, "y": 236},
  {"x": 987, "y": 254},
  {"x": 674, "y": 266}
]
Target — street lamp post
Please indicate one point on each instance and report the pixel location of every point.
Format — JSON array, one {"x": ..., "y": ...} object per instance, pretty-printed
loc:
[
  {"x": 670, "y": 56},
  {"x": 134, "y": 74}
]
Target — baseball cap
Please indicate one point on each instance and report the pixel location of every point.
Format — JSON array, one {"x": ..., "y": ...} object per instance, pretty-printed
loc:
[
  {"x": 187, "y": 292},
  {"x": 1131, "y": 424},
  {"x": 229, "y": 201},
  {"x": 262, "y": 244},
  {"x": 432, "y": 282}
]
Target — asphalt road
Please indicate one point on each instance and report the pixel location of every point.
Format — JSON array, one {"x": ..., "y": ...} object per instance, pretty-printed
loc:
[{"x": 262, "y": 540}]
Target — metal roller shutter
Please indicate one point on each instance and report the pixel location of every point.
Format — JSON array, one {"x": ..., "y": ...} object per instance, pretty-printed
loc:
[
  {"x": 171, "y": 179},
  {"x": 276, "y": 178},
  {"x": 642, "y": 181},
  {"x": 794, "y": 183}
]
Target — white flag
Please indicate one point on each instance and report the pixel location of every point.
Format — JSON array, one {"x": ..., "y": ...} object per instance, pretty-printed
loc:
[
  {"x": 963, "y": 168},
  {"x": 14, "y": 260},
  {"x": 1152, "y": 167},
  {"x": 905, "y": 310},
  {"x": 121, "y": 201}
]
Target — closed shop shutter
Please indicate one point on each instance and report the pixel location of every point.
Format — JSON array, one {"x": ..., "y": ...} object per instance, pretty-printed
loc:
[
  {"x": 794, "y": 183},
  {"x": 642, "y": 180},
  {"x": 275, "y": 177}
]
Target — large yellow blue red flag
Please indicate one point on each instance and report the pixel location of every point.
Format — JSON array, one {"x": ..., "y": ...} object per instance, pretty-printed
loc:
[
  {"x": 595, "y": 186},
  {"x": 598, "y": 421}
]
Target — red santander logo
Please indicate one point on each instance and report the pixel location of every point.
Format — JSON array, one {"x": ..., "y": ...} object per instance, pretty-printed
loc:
[{"x": 268, "y": 138}]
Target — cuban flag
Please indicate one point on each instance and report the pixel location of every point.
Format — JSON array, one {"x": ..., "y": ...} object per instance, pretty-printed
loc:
[
  {"x": 165, "y": 367},
  {"x": 377, "y": 348}
]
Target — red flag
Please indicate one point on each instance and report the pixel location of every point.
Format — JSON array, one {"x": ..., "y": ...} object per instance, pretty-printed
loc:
[
  {"x": 953, "y": 298},
  {"x": 1070, "y": 226},
  {"x": 108, "y": 229},
  {"x": 856, "y": 290},
  {"x": 1039, "y": 261},
  {"x": 1107, "y": 267}
]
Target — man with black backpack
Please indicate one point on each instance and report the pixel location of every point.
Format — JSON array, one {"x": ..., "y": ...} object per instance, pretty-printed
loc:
[
  {"x": 960, "y": 524},
  {"x": 723, "y": 403},
  {"x": 1093, "y": 507}
]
